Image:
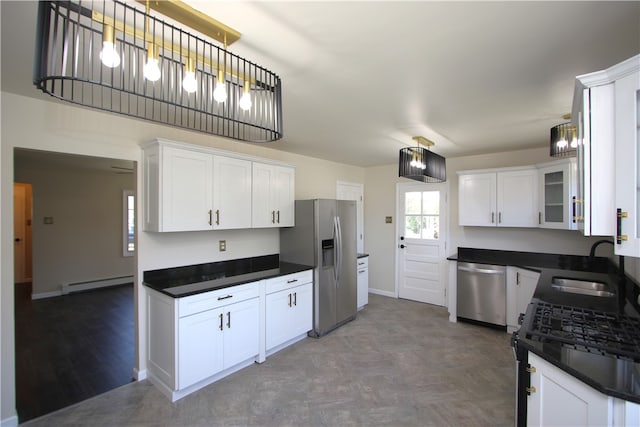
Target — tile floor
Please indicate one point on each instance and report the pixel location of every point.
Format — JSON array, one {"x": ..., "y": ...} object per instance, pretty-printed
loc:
[{"x": 400, "y": 363}]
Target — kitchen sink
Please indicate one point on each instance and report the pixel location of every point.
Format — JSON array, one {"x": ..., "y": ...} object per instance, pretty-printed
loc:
[{"x": 582, "y": 287}]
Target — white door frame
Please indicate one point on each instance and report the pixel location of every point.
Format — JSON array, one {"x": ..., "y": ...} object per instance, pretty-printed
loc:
[
  {"x": 344, "y": 185},
  {"x": 444, "y": 225}
]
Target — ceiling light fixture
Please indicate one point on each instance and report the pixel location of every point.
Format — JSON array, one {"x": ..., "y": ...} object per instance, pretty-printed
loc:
[
  {"x": 563, "y": 140},
  {"x": 74, "y": 36},
  {"x": 421, "y": 164}
]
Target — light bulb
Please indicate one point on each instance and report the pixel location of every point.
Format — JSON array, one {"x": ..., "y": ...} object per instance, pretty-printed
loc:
[
  {"x": 220, "y": 92},
  {"x": 562, "y": 143},
  {"x": 245, "y": 101},
  {"x": 151, "y": 69},
  {"x": 109, "y": 55},
  {"x": 574, "y": 143},
  {"x": 189, "y": 82}
]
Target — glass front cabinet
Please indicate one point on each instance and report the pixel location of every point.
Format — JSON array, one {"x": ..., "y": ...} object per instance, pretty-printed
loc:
[
  {"x": 558, "y": 193},
  {"x": 627, "y": 151}
]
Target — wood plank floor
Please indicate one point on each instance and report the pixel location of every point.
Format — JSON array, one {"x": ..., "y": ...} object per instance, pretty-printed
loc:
[
  {"x": 400, "y": 363},
  {"x": 71, "y": 348}
]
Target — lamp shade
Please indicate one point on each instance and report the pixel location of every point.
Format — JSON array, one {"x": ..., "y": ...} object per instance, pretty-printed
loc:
[
  {"x": 563, "y": 141},
  {"x": 420, "y": 164}
]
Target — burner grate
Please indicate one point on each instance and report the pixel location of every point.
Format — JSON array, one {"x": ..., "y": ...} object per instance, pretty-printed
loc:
[{"x": 587, "y": 330}]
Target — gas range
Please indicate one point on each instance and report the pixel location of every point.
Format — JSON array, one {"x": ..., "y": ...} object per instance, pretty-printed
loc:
[{"x": 592, "y": 331}]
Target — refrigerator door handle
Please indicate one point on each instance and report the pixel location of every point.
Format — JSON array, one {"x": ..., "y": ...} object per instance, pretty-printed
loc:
[
  {"x": 335, "y": 249},
  {"x": 339, "y": 246}
]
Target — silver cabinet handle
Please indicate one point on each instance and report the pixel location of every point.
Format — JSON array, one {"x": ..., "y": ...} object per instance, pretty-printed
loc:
[
  {"x": 227, "y": 297},
  {"x": 221, "y": 316},
  {"x": 539, "y": 217},
  {"x": 217, "y": 216},
  {"x": 295, "y": 298},
  {"x": 210, "y": 217},
  {"x": 278, "y": 217},
  {"x": 493, "y": 216},
  {"x": 292, "y": 281},
  {"x": 499, "y": 217},
  {"x": 273, "y": 217},
  {"x": 289, "y": 300},
  {"x": 228, "y": 319}
]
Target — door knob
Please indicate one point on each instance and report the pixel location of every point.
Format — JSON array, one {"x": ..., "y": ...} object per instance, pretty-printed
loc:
[
  {"x": 401, "y": 237},
  {"x": 401, "y": 246},
  {"x": 18, "y": 239}
]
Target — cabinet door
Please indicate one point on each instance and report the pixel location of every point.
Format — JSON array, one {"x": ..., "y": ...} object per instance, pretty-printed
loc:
[
  {"x": 560, "y": 399},
  {"x": 262, "y": 213},
  {"x": 200, "y": 352},
  {"x": 284, "y": 195},
  {"x": 627, "y": 119},
  {"x": 187, "y": 188},
  {"x": 517, "y": 196},
  {"x": 231, "y": 193},
  {"x": 363, "y": 282},
  {"x": 477, "y": 199},
  {"x": 521, "y": 284},
  {"x": 557, "y": 197},
  {"x": 288, "y": 314},
  {"x": 241, "y": 331}
]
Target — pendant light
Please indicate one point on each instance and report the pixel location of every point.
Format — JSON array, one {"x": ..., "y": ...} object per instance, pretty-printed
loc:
[
  {"x": 421, "y": 164},
  {"x": 109, "y": 55},
  {"x": 189, "y": 82},
  {"x": 563, "y": 141},
  {"x": 152, "y": 68}
]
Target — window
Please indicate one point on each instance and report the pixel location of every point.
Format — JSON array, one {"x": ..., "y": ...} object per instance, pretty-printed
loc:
[
  {"x": 422, "y": 214},
  {"x": 129, "y": 222}
]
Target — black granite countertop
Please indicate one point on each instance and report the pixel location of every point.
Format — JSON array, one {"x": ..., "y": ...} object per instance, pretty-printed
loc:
[
  {"x": 183, "y": 281},
  {"x": 614, "y": 376}
]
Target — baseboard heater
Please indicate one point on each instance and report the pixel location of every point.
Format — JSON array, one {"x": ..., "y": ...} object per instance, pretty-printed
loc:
[{"x": 68, "y": 288}]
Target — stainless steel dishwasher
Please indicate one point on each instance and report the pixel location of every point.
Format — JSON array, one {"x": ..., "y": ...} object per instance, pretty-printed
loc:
[{"x": 482, "y": 293}]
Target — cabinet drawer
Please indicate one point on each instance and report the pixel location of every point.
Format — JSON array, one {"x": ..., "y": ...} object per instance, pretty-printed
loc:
[
  {"x": 218, "y": 298},
  {"x": 290, "y": 280},
  {"x": 363, "y": 263}
]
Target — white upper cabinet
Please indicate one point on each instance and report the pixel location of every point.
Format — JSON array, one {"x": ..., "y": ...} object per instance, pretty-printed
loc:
[
  {"x": 593, "y": 115},
  {"x": 502, "y": 198},
  {"x": 231, "y": 193},
  {"x": 273, "y": 195},
  {"x": 627, "y": 155},
  {"x": 557, "y": 190},
  {"x": 191, "y": 188}
]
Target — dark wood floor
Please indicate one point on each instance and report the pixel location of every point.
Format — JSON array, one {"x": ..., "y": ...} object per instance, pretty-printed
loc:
[{"x": 72, "y": 347}]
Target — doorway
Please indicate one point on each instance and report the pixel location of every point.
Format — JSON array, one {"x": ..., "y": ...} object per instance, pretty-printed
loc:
[
  {"x": 70, "y": 347},
  {"x": 422, "y": 235},
  {"x": 22, "y": 218}
]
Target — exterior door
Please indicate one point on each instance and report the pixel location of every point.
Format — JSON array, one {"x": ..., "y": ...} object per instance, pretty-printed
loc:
[{"x": 421, "y": 242}]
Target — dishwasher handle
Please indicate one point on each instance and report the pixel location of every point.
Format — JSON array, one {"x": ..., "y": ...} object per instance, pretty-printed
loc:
[{"x": 480, "y": 270}]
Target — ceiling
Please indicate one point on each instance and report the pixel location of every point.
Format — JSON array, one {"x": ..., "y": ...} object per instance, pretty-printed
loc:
[{"x": 361, "y": 78}]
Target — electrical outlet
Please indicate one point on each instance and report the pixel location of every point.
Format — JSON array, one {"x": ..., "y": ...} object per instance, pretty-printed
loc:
[{"x": 222, "y": 245}]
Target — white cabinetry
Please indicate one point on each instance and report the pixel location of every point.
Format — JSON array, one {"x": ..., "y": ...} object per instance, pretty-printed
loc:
[
  {"x": 363, "y": 281},
  {"x": 231, "y": 193},
  {"x": 557, "y": 190},
  {"x": 198, "y": 339},
  {"x": 288, "y": 309},
  {"x": 503, "y": 198},
  {"x": 273, "y": 195},
  {"x": 559, "y": 399},
  {"x": 593, "y": 115},
  {"x": 191, "y": 188},
  {"x": 521, "y": 284},
  {"x": 627, "y": 149}
]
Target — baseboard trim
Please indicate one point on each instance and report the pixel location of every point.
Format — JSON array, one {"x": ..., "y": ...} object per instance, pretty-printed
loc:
[
  {"x": 68, "y": 288},
  {"x": 46, "y": 295},
  {"x": 389, "y": 294},
  {"x": 139, "y": 375},
  {"x": 9, "y": 422}
]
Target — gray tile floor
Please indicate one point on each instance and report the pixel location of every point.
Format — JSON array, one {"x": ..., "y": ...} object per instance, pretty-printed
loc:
[{"x": 400, "y": 363}]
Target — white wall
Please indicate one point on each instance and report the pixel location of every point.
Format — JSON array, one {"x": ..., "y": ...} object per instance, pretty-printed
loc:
[
  {"x": 48, "y": 125},
  {"x": 380, "y": 202},
  {"x": 84, "y": 243}
]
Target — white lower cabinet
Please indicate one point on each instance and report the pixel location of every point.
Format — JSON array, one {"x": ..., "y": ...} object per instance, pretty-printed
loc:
[
  {"x": 196, "y": 340},
  {"x": 363, "y": 282},
  {"x": 559, "y": 399},
  {"x": 521, "y": 284},
  {"x": 288, "y": 309}
]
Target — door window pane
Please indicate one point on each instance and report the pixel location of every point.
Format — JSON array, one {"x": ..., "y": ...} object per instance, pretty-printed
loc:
[{"x": 422, "y": 215}]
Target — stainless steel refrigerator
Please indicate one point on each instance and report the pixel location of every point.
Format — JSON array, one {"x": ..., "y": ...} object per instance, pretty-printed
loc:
[{"x": 324, "y": 237}]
